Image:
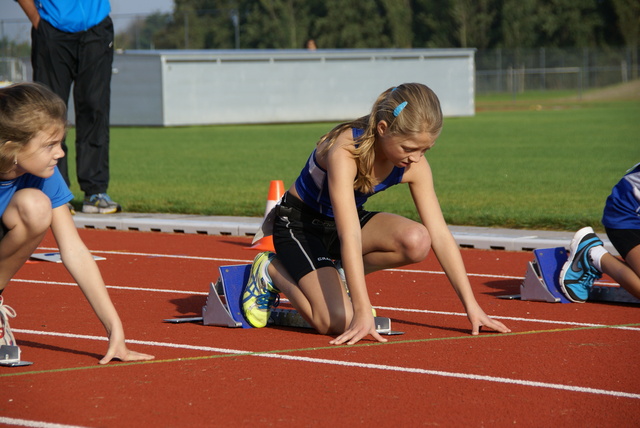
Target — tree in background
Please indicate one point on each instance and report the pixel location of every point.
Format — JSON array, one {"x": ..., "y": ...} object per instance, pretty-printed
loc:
[
  {"x": 474, "y": 21},
  {"x": 628, "y": 13},
  {"x": 277, "y": 24},
  {"x": 338, "y": 24},
  {"x": 569, "y": 23},
  {"x": 520, "y": 23},
  {"x": 352, "y": 24}
]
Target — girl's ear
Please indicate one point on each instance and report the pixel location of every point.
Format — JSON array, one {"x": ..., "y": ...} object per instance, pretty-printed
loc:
[{"x": 382, "y": 127}]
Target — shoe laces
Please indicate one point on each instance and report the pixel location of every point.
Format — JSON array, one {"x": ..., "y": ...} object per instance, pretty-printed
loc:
[
  {"x": 589, "y": 276},
  {"x": 268, "y": 300},
  {"x": 5, "y": 310},
  {"x": 5, "y": 313},
  {"x": 100, "y": 196}
]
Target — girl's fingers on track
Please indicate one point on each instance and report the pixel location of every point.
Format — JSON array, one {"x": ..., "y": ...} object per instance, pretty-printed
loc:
[
  {"x": 129, "y": 356},
  {"x": 352, "y": 339},
  {"x": 492, "y": 324}
]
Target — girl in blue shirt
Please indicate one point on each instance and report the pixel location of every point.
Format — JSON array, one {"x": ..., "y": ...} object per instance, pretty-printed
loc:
[
  {"x": 588, "y": 259},
  {"x": 321, "y": 218},
  {"x": 33, "y": 198}
]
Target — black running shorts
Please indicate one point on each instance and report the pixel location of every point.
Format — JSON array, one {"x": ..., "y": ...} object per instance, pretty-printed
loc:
[
  {"x": 304, "y": 239},
  {"x": 624, "y": 240}
]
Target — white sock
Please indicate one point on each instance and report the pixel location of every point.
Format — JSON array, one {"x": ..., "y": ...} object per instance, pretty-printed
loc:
[{"x": 595, "y": 254}]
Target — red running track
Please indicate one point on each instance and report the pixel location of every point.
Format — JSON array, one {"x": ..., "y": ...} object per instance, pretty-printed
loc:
[{"x": 563, "y": 364}]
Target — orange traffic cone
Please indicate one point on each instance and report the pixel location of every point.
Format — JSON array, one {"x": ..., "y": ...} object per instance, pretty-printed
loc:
[{"x": 276, "y": 190}]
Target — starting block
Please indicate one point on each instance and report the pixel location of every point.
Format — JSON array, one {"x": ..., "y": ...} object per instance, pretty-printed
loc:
[
  {"x": 542, "y": 281},
  {"x": 10, "y": 356},
  {"x": 229, "y": 287},
  {"x": 224, "y": 305}
]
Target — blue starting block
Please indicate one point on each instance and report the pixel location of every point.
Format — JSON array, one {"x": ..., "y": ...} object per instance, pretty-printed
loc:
[
  {"x": 224, "y": 305},
  {"x": 228, "y": 287},
  {"x": 542, "y": 281}
]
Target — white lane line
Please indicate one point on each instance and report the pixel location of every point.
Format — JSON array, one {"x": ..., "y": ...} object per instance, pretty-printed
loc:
[
  {"x": 458, "y": 375},
  {"x": 243, "y": 261},
  {"x": 33, "y": 424},
  {"x": 156, "y": 255},
  {"x": 387, "y": 308},
  {"x": 115, "y": 287},
  {"x": 534, "y": 320}
]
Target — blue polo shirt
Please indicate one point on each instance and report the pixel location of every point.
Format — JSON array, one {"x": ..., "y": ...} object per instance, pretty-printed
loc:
[
  {"x": 73, "y": 16},
  {"x": 54, "y": 187}
]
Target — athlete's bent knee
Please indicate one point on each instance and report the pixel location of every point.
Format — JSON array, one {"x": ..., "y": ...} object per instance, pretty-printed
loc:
[
  {"x": 30, "y": 208},
  {"x": 416, "y": 243}
]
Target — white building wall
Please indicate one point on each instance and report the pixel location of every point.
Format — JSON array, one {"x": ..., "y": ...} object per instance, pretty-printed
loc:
[{"x": 178, "y": 88}]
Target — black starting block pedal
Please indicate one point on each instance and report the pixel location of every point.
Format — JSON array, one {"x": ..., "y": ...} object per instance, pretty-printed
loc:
[
  {"x": 10, "y": 357},
  {"x": 183, "y": 320},
  {"x": 291, "y": 318}
]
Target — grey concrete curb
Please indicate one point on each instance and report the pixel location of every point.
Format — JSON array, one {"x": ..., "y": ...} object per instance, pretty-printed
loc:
[{"x": 465, "y": 236}]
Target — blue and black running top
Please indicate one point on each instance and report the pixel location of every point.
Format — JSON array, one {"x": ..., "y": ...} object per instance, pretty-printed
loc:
[
  {"x": 622, "y": 210},
  {"x": 313, "y": 187}
]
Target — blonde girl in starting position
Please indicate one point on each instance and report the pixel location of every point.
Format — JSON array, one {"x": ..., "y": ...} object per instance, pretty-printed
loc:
[{"x": 321, "y": 229}]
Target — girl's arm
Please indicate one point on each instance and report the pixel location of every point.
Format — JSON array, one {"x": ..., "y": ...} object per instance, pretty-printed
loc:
[
  {"x": 341, "y": 171},
  {"x": 420, "y": 181},
  {"x": 81, "y": 265}
]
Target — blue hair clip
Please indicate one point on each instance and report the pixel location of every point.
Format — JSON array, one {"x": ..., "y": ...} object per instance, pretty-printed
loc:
[{"x": 397, "y": 110}]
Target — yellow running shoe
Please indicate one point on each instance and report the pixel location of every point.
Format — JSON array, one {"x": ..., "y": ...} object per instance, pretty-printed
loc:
[{"x": 260, "y": 294}]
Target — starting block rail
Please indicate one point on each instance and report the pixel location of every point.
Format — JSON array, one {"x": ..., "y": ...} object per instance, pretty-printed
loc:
[
  {"x": 542, "y": 281},
  {"x": 10, "y": 356},
  {"x": 224, "y": 305}
]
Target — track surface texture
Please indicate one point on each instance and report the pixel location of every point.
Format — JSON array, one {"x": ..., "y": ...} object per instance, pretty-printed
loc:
[{"x": 562, "y": 365}]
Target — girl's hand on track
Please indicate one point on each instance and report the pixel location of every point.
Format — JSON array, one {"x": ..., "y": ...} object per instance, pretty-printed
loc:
[
  {"x": 359, "y": 328},
  {"x": 479, "y": 319},
  {"x": 122, "y": 353}
]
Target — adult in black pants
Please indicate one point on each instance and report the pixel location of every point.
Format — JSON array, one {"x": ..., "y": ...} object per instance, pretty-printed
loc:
[{"x": 72, "y": 43}]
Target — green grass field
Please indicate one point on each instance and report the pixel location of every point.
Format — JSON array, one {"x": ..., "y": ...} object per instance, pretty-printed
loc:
[{"x": 541, "y": 162}]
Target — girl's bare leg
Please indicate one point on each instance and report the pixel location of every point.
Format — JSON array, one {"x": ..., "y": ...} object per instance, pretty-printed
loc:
[
  {"x": 390, "y": 240},
  {"x": 626, "y": 273},
  {"x": 28, "y": 216},
  {"x": 319, "y": 297}
]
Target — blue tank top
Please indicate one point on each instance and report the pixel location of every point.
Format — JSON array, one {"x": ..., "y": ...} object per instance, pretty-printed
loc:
[
  {"x": 622, "y": 210},
  {"x": 313, "y": 187}
]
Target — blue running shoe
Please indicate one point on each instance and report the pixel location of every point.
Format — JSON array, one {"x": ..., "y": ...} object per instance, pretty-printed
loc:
[
  {"x": 260, "y": 294},
  {"x": 579, "y": 273}
]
